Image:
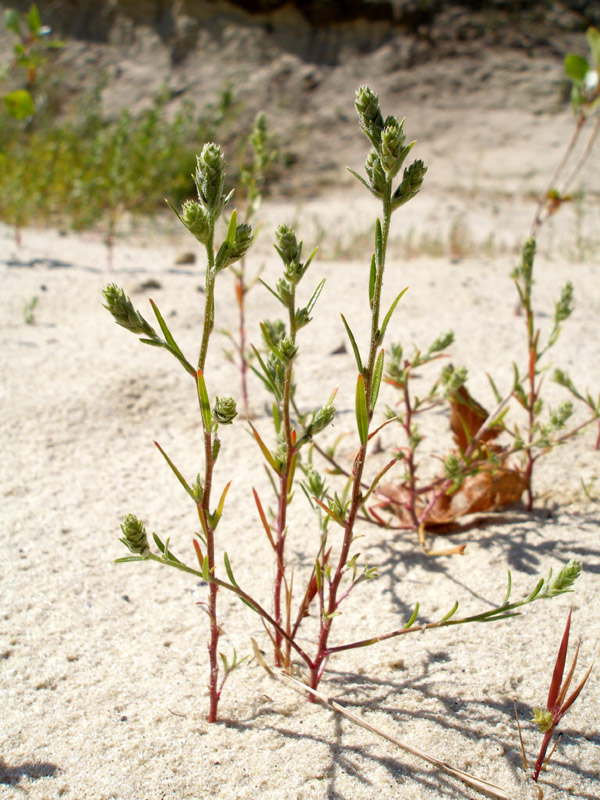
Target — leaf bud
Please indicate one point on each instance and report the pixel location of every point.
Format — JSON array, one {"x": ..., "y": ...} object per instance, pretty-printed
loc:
[
  {"x": 134, "y": 535},
  {"x": 210, "y": 178},
  {"x": 287, "y": 350},
  {"x": 560, "y": 416},
  {"x": 225, "y": 410},
  {"x": 284, "y": 291},
  {"x": 564, "y": 307},
  {"x": 564, "y": 580},
  {"x": 124, "y": 314},
  {"x": 375, "y": 173},
  {"x": 321, "y": 419},
  {"x": 369, "y": 114},
  {"x": 287, "y": 245},
  {"x": 453, "y": 378},
  {"x": 393, "y": 151},
  {"x": 194, "y": 217},
  {"x": 442, "y": 342},
  {"x": 412, "y": 181},
  {"x": 453, "y": 470},
  {"x": 229, "y": 254}
]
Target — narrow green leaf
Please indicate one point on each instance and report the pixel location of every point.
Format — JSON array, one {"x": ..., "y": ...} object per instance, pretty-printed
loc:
[
  {"x": 129, "y": 558},
  {"x": 372, "y": 277},
  {"x": 309, "y": 260},
  {"x": 377, "y": 373},
  {"x": 497, "y": 394},
  {"x": 265, "y": 450},
  {"x": 450, "y": 613},
  {"x": 229, "y": 571},
  {"x": 158, "y": 542},
  {"x": 220, "y": 507},
  {"x": 363, "y": 181},
  {"x": 204, "y": 402},
  {"x": 205, "y": 570},
  {"x": 537, "y": 589},
  {"x": 354, "y": 345},
  {"x": 315, "y": 296},
  {"x": 362, "y": 417},
  {"x": 413, "y": 618},
  {"x": 388, "y": 316},
  {"x": 378, "y": 244},
  {"x": 177, "y": 473},
  {"x": 34, "y": 21},
  {"x": 168, "y": 556},
  {"x": 265, "y": 378},
  {"x": 273, "y": 292},
  {"x": 318, "y": 576},
  {"x": 170, "y": 340},
  {"x": 231, "y": 230}
]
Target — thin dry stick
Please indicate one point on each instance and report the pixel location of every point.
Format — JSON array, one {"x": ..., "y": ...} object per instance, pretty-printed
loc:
[
  {"x": 525, "y": 764},
  {"x": 477, "y": 783}
]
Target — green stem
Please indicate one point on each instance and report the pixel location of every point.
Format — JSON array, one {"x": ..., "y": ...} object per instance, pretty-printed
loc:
[
  {"x": 359, "y": 463},
  {"x": 209, "y": 297}
]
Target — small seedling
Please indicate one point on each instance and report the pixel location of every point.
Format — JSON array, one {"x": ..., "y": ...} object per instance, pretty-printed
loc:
[
  {"x": 29, "y": 310},
  {"x": 557, "y": 704}
]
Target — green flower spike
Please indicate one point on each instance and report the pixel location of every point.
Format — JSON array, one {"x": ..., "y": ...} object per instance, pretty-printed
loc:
[
  {"x": 124, "y": 314},
  {"x": 134, "y": 536},
  {"x": 210, "y": 178}
]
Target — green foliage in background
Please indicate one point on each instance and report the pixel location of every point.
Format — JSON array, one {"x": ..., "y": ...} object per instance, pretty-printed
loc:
[{"x": 88, "y": 170}]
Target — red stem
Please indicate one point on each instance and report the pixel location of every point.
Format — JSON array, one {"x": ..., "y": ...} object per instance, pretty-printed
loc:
[
  {"x": 538, "y": 764},
  {"x": 213, "y": 685}
]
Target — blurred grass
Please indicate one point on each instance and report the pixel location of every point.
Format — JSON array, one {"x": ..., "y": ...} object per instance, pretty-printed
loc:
[{"x": 87, "y": 171}]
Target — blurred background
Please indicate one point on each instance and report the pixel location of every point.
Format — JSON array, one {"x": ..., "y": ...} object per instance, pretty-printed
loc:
[{"x": 123, "y": 93}]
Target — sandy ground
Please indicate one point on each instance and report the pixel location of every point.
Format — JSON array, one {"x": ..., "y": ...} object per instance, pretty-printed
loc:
[{"x": 103, "y": 667}]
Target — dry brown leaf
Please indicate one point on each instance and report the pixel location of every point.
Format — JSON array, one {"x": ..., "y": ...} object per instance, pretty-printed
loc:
[
  {"x": 489, "y": 489},
  {"x": 466, "y": 418}
]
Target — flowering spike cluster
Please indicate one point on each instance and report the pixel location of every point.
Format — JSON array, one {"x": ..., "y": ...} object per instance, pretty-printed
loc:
[{"x": 389, "y": 151}]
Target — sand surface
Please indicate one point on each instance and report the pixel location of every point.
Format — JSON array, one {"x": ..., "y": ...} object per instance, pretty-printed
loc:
[{"x": 103, "y": 667}]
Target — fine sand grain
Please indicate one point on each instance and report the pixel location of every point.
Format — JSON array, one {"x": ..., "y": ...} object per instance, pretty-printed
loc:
[{"x": 103, "y": 667}]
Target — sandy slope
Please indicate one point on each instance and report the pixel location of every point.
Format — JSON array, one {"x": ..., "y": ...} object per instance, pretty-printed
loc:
[{"x": 103, "y": 667}]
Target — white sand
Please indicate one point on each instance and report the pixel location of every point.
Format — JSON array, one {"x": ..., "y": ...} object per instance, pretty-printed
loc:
[{"x": 103, "y": 667}]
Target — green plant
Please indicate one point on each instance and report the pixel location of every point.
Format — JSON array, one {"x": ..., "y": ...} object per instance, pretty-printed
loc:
[
  {"x": 557, "y": 704},
  {"x": 28, "y": 55},
  {"x": 29, "y": 310},
  {"x": 539, "y": 436},
  {"x": 90, "y": 171},
  {"x": 479, "y": 474},
  {"x": 336, "y": 568},
  {"x": 200, "y": 218}
]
